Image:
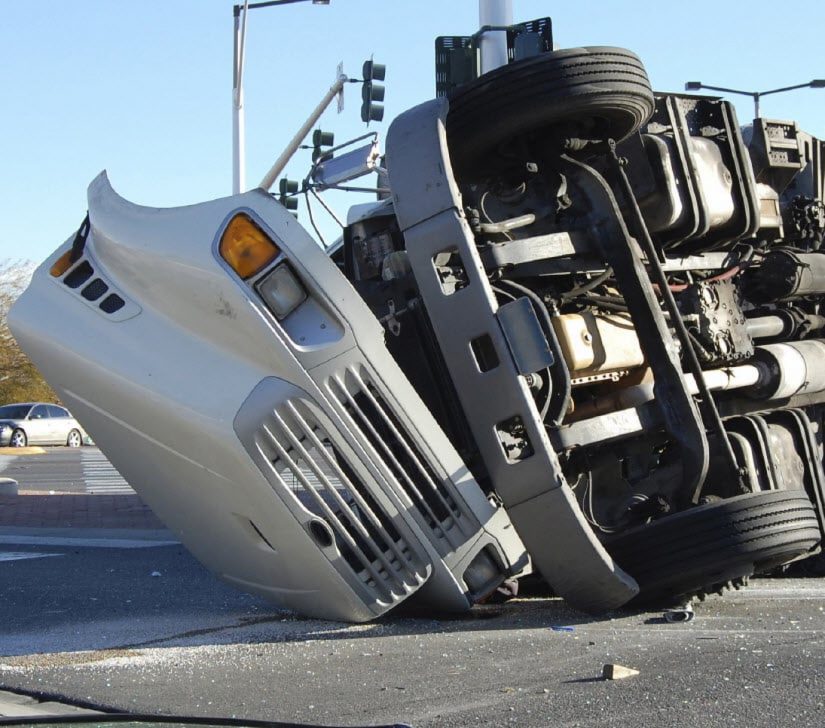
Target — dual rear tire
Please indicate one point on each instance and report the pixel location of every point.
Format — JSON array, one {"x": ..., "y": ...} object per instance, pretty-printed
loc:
[{"x": 697, "y": 550}]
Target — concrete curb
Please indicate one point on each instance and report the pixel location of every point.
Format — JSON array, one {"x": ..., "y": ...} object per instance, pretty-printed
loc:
[{"x": 22, "y": 450}]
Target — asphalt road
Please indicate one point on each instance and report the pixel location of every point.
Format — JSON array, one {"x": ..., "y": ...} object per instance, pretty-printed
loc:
[
  {"x": 65, "y": 470},
  {"x": 149, "y": 630}
]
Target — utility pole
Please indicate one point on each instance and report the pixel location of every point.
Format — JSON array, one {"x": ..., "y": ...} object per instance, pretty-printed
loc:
[{"x": 493, "y": 44}]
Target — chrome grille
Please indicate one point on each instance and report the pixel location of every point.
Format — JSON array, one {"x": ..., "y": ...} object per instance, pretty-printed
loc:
[
  {"x": 307, "y": 465},
  {"x": 369, "y": 413}
]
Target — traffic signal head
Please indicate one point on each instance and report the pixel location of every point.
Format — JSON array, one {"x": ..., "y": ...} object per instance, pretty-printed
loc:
[
  {"x": 372, "y": 93},
  {"x": 321, "y": 139},
  {"x": 288, "y": 188},
  {"x": 374, "y": 71}
]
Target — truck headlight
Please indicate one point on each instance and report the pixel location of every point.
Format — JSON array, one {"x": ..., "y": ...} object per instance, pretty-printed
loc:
[{"x": 282, "y": 291}]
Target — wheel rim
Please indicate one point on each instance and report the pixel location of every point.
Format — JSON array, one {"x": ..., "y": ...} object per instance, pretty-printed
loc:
[
  {"x": 74, "y": 439},
  {"x": 18, "y": 439}
]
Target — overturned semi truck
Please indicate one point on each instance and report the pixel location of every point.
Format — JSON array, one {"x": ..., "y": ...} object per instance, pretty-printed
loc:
[{"x": 579, "y": 334}]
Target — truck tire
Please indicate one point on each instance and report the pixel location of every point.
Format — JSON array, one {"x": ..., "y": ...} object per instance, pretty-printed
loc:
[
  {"x": 596, "y": 92},
  {"x": 697, "y": 549}
]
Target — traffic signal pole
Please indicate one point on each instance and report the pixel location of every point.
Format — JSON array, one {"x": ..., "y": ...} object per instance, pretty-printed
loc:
[
  {"x": 298, "y": 139},
  {"x": 493, "y": 51}
]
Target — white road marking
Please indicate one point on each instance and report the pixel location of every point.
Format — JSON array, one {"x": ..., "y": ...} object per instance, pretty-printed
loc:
[
  {"x": 95, "y": 543},
  {"x": 20, "y": 555},
  {"x": 6, "y": 461},
  {"x": 100, "y": 476}
]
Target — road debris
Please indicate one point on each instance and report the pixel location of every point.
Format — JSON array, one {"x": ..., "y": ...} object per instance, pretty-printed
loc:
[
  {"x": 683, "y": 613},
  {"x": 617, "y": 672}
]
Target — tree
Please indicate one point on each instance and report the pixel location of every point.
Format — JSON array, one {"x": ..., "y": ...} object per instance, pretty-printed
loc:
[{"x": 19, "y": 379}]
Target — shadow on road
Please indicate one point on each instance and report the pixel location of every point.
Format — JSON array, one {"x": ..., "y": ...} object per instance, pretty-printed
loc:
[{"x": 79, "y": 600}]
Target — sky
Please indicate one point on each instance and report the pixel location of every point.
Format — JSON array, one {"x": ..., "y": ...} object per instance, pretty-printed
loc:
[{"x": 143, "y": 88}]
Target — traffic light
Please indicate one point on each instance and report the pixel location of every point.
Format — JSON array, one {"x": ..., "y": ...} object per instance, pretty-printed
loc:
[
  {"x": 288, "y": 188},
  {"x": 321, "y": 139},
  {"x": 372, "y": 93}
]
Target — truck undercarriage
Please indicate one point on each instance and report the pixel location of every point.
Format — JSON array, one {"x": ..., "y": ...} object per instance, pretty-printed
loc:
[{"x": 619, "y": 298}]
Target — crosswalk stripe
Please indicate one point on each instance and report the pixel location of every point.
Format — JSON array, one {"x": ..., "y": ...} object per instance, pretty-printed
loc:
[
  {"x": 104, "y": 543},
  {"x": 21, "y": 555},
  {"x": 100, "y": 475}
]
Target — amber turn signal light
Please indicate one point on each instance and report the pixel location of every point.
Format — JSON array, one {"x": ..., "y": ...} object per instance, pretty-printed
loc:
[
  {"x": 245, "y": 247},
  {"x": 62, "y": 264}
]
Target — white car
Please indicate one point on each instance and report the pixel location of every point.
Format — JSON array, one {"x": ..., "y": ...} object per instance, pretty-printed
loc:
[{"x": 39, "y": 423}]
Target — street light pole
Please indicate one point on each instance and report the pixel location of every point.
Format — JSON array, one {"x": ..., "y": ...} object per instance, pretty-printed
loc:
[
  {"x": 238, "y": 121},
  {"x": 755, "y": 95},
  {"x": 239, "y": 13}
]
